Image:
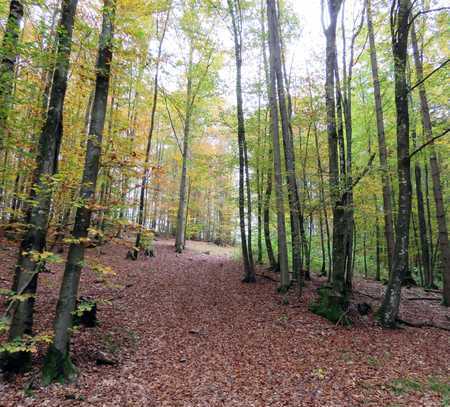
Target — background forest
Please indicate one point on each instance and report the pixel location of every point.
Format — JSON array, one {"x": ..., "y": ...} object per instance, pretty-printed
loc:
[{"x": 312, "y": 137}]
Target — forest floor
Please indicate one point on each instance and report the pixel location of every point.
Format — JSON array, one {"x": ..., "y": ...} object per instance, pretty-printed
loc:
[{"x": 182, "y": 330}]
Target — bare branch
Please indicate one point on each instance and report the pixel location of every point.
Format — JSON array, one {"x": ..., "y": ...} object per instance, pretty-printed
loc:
[{"x": 431, "y": 141}]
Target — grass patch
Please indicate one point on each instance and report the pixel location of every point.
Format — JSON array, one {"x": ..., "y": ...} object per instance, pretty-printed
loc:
[{"x": 432, "y": 384}]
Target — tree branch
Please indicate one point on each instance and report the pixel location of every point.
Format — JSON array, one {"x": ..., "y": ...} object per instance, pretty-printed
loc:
[
  {"x": 430, "y": 74},
  {"x": 431, "y": 141}
]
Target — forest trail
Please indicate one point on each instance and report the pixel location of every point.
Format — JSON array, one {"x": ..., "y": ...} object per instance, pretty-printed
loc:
[{"x": 183, "y": 331}]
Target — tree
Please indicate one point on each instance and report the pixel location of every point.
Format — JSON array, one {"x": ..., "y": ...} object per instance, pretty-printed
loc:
[
  {"x": 145, "y": 176},
  {"x": 289, "y": 155},
  {"x": 444, "y": 245},
  {"x": 399, "y": 20},
  {"x": 234, "y": 9},
  {"x": 339, "y": 249},
  {"x": 274, "y": 118},
  {"x": 8, "y": 59},
  {"x": 383, "y": 154},
  {"x": 57, "y": 364},
  {"x": 31, "y": 256}
]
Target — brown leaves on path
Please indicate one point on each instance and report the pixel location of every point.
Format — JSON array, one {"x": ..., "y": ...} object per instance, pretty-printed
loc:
[{"x": 186, "y": 332}]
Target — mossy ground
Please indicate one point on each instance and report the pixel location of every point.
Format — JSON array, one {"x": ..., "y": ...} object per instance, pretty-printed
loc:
[{"x": 331, "y": 306}]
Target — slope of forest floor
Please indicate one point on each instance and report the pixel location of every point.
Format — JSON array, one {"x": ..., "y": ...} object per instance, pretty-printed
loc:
[{"x": 182, "y": 330}]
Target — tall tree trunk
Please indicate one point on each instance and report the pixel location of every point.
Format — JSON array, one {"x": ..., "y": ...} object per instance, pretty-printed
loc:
[
  {"x": 249, "y": 272},
  {"x": 400, "y": 13},
  {"x": 378, "y": 243},
  {"x": 429, "y": 226},
  {"x": 266, "y": 218},
  {"x": 385, "y": 179},
  {"x": 281, "y": 225},
  {"x": 58, "y": 365},
  {"x": 182, "y": 200},
  {"x": 424, "y": 246},
  {"x": 259, "y": 175},
  {"x": 145, "y": 176},
  {"x": 269, "y": 181},
  {"x": 339, "y": 249},
  {"x": 444, "y": 246},
  {"x": 34, "y": 241},
  {"x": 293, "y": 196},
  {"x": 322, "y": 199}
]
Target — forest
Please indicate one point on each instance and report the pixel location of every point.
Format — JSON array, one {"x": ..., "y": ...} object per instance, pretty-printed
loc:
[{"x": 224, "y": 203}]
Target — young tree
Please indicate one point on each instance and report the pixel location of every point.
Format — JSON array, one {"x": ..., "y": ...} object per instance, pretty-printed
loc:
[{"x": 57, "y": 364}]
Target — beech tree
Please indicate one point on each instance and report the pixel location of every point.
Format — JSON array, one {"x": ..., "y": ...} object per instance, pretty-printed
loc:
[
  {"x": 32, "y": 249},
  {"x": 58, "y": 365},
  {"x": 399, "y": 19}
]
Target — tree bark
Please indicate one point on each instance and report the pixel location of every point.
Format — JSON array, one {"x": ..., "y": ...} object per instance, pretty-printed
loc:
[
  {"x": 339, "y": 229},
  {"x": 58, "y": 365},
  {"x": 34, "y": 241},
  {"x": 424, "y": 246},
  {"x": 383, "y": 154},
  {"x": 144, "y": 182},
  {"x": 444, "y": 246},
  {"x": 289, "y": 156},
  {"x": 400, "y": 13},
  {"x": 8, "y": 58},
  {"x": 249, "y": 272},
  {"x": 281, "y": 225}
]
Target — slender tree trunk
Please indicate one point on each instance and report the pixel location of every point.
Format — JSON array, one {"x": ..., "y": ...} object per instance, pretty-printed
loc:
[
  {"x": 293, "y": 196},
  {"x": 34, "y": 241},
  {"x": 417, "y": 257},
  {"x": 339, "y": 229},
  {"x": 269, "y": 182},
  {"x": 444, "y": 246},
  {"x": 378, "y": 244},
  {"x": 249, "y": 271},
  {"x": 58, "y": 365},
  {"x": 281, "y": 225},
  {"x": 145, "y": 177},
  {"x": 366, "y": 271},
  {"x": 424, "y": 246},
  {"x": 266, "y": 217},
  {"x": 182, "y": 203},
  {"x": 430, "y": 229},
  {"x": 259, "y": 177},
  {"x": 385, "y": 179},
  {"x": 400, "y": 14},
  {"x": 322, "y": 199}
]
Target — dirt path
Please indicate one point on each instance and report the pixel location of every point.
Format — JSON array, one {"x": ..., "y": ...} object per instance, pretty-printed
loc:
[{"x": 186, "y": 332}]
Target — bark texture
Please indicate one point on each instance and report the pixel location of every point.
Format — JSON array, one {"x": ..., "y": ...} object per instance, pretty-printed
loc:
[{"x": 58, "y": 365}]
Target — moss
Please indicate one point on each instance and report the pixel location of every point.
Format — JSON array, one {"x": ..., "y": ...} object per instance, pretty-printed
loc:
[
  {"x": 330, "y": 306},
  {"x": 58, "y": 367},
  {"x": 404, "y": 385}
]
